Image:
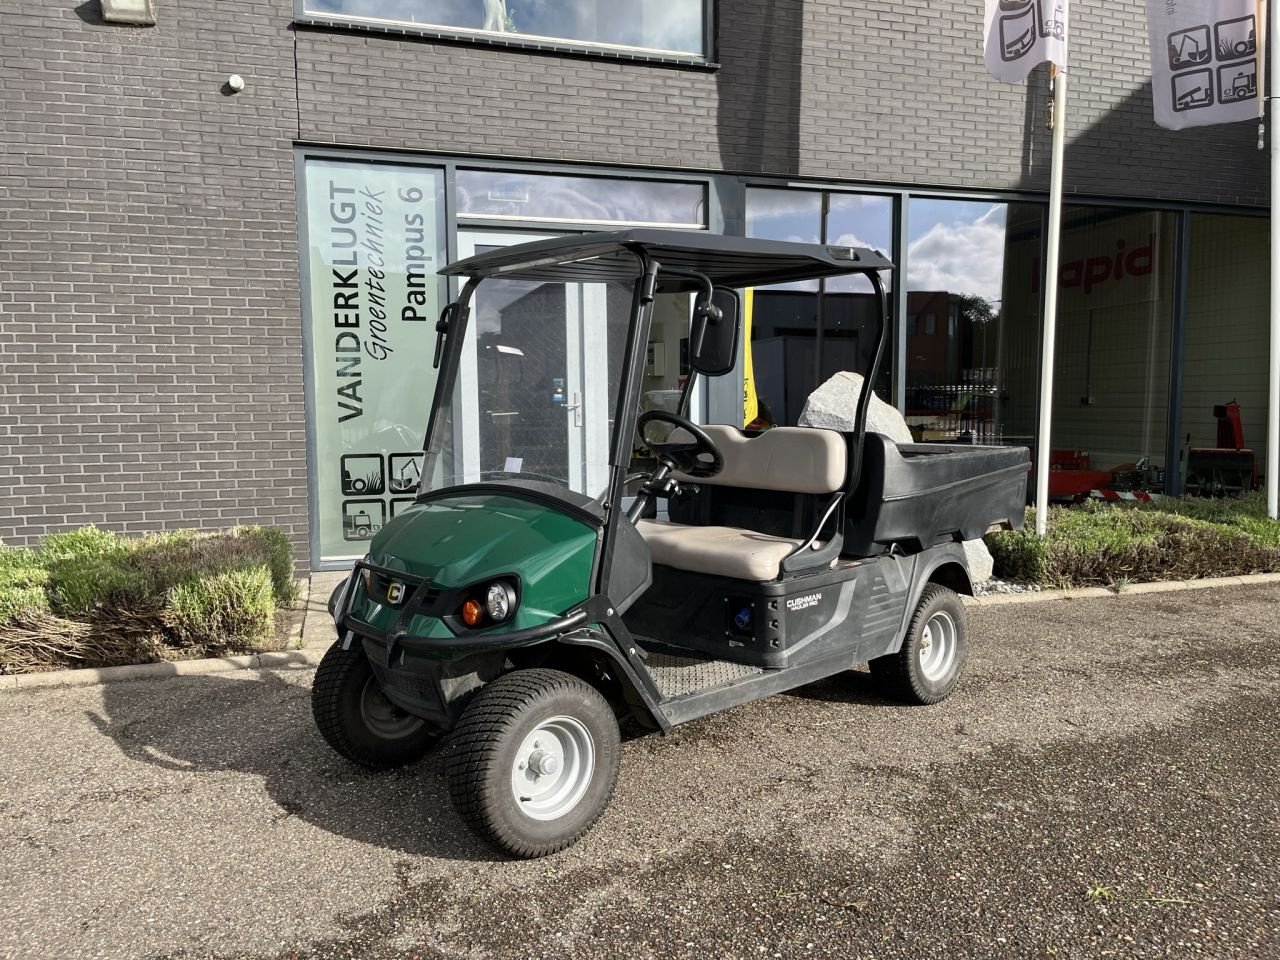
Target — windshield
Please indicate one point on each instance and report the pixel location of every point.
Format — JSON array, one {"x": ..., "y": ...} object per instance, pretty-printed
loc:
[{"x": 536, "y": 387}]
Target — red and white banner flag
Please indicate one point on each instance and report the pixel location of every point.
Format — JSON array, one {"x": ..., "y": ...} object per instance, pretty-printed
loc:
[
  {"x": 1206, "y": 60},
  {"x": 1021, "y": 34}
]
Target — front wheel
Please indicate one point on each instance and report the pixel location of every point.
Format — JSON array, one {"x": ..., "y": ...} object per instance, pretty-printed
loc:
[
  {"x": 927, "y": 668},
  {"x": 533, "y": 761},
  {"x": 355, "y": 717}
]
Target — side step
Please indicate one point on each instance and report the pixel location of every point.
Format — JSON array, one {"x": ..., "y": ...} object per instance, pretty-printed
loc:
[
  {"x": 681, "y": 676},
  {"x": 696, "y": 687}
]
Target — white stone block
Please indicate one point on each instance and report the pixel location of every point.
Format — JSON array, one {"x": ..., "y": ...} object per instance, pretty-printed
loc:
[
  {"x": 978, "y": 559},
  {"x": 834, "y": 405}
]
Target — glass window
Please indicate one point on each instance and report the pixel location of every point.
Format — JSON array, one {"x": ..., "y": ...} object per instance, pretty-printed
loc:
[
  {"x": 1115, "y": 314},
  {"x": 666, "y": 372},
  {"x": 1225, "y": 346},
  {"x": 849, "y": 322},
  {"x": 781, "y": 321},
  {"x": 801, "y": 334},
  {"x": 974, "y": 378},
  {"x": 792, "y": 215},
  {"x": 859, "y": 220},
  {"x": 661, "y": 26},
  {"x": 528, "y": 402},
  {"x": 511, "y": 195},
  {"x": 666, "y": 368},
  {"x": 375, "y": 239}
]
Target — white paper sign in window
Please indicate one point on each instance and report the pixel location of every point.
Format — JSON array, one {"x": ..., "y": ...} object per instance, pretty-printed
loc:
[{"x": 375, "y": 239}]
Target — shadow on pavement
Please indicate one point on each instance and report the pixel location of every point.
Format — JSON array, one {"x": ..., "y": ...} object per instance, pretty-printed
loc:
[
  {"x": 262, "y": 727},
  {"x": 853, "y": 686}
]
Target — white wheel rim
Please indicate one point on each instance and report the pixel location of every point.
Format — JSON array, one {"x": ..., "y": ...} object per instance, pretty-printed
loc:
[
  {"x": 553, "y": 768},
  {"x": 938, "y": 647}
]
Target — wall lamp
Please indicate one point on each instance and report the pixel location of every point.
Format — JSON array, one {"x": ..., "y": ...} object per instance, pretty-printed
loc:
[{"x": 137, "y": 12}]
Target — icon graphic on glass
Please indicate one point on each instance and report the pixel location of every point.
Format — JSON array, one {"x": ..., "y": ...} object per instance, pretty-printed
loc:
[
  {"x": 361, "y": 519},
  {"x": 1238, "y": 81},
  {"x": 1193, "y": 90},
  {"x": 406, "y": 471},
  {"x": 1189, "y": 48},
  {"x": 1017, "y": 34},
  {"x": 362, "y": 475},
  {"x": 1236, "y": 38}
]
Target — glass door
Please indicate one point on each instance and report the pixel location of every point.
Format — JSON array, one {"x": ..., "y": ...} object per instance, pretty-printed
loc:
[{"x": 536, "y": 383}]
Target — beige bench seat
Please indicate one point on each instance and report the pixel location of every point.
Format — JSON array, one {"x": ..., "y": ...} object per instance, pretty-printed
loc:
[
  {"x": 723, "y": 551},
  {"x": 804, "y": 460}
]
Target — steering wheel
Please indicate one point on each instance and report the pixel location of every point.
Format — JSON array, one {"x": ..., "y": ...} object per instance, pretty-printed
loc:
[{"x": 700, "y": 459}]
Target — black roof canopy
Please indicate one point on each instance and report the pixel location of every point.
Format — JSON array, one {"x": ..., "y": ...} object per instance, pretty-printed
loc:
[{"x": 725, "y": 261}]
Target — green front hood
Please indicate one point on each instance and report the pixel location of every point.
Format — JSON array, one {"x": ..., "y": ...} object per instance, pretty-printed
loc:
[{"x": 459, "y": 541}]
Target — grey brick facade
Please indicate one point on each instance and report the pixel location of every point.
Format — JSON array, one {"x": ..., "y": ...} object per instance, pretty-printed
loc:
[
  {"x": 148, "y": 272},
  {"x": 877, "y": 92},
  {"x": 151, "y": 332}
]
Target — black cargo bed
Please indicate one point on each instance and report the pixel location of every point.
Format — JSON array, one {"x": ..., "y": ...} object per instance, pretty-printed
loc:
[{"x": 919, "y": 494}]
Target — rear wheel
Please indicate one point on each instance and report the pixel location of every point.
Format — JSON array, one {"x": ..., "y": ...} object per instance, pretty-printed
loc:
[
  {"x": 533, "y": 761},
  {"x": 355, "y": 717},
  {"x": 928, "y": 667}
]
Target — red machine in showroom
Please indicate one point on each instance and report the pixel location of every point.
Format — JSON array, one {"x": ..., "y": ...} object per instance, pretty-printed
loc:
[{"x": 1229, "y": 469}]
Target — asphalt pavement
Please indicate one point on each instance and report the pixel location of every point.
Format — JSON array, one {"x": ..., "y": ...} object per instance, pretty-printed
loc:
[{"x": 1104, "y": 784}]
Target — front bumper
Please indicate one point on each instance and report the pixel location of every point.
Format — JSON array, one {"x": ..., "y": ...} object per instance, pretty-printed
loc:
[
  {"x": 424, "y": 603},
  {"x": 430, "y": 676}
]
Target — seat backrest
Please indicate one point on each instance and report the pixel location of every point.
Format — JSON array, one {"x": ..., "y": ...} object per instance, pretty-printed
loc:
[{"x": 787, "y": 459}]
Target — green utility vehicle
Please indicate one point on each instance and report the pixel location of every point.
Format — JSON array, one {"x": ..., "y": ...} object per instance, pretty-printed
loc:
[{"x": 541, "y": 587}]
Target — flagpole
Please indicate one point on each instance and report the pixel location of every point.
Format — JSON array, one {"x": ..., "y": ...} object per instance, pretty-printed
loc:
[
  {"x": 1273, "y": 380},
  {"x": 1051, "y": 292}
]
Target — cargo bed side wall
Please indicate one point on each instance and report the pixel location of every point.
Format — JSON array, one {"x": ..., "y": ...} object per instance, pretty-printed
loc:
[{"x": 916, "y": 498}]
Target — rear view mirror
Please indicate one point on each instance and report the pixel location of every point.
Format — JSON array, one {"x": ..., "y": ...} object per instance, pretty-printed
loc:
[{"x": 713, "y": 333}]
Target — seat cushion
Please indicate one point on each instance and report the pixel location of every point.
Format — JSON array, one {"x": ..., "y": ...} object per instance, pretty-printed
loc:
[
  {"x": 722, "y": 551},
  {"x": 787, "y": 459}
]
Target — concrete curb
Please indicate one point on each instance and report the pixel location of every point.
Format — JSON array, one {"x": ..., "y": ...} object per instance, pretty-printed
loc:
[
  {"x": 314, "y": 626},
  {"x": 152, "y": 671},
  {"x": 1136, "y": 589}
]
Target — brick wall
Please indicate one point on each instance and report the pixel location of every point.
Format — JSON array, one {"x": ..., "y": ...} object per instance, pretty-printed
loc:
[
  {"x": 148, "y": 272},
  {"x": 887, "y": 91},
  {"x": 151, "y": 339}
]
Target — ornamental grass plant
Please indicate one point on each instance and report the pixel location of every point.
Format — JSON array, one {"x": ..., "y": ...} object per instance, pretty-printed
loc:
[
  {"x": 1176, "y": 538},
  {"x": 92, "y": 598}
]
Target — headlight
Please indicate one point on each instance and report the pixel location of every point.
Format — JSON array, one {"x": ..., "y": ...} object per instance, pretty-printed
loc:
[
  {"x": 499, "y": 601},
  {"x": 487, "y": 604}
]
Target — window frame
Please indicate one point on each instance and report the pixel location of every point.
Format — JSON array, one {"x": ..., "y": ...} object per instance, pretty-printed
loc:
[
  {"x": 721, "y": 395},
  {"x": 533, "y": 43},
  {"x": 726, "y": 214}
]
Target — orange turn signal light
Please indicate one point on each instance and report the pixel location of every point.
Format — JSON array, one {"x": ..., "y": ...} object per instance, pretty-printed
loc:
[{"x": 472, "y": 613}]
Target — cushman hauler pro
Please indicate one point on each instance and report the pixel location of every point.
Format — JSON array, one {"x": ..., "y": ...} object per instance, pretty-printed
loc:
[{"x": 533, "y": 593}]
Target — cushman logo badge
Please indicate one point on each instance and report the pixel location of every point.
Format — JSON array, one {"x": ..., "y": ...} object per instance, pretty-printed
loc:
[
  {"x": 800, "y": 603},
  {"x": 395, "y": 592}
]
